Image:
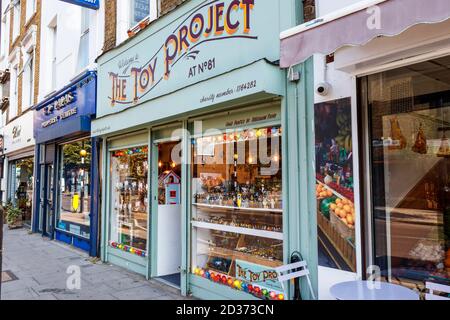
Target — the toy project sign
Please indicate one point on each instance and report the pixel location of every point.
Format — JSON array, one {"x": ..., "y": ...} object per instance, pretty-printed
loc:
[
  {"x": 209, "y": 38},
  {"x": 257, "y": 275}
]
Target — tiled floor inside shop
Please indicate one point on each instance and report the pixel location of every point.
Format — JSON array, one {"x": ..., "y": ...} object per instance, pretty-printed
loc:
[{"x": 36, "y": 268}]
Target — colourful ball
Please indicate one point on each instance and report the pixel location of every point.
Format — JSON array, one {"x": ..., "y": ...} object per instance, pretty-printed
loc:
[
  {"x": 202, "y": 273},
  {"x": 230, "y": 282},
  {"x": 245, "y": 287},
  {"x": 237, "y": 284},
  {"x": 265, "y": 292},
  {"x": 273, "y": 295},
  {"x": 280, "y": 297},
  {"x": 224, "y": 279},
  {"x": 250, "y": 288}
]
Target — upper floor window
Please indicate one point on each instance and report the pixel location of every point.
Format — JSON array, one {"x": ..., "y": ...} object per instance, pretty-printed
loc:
[
  {"x": 131, "y": 12},
  {"x": 3, "y": 35},
  {"x": 16, "y": 18},
  {"x": 14, "y": 83},
  {"x": 83, "y": 51},
  {"x": 140, "y": 9},
  {"x": 31, "y": 9},
  {"x": 28, "y": 81}
]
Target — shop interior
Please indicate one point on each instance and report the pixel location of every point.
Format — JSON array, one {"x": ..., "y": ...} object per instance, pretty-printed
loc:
[
  {"x": 409, "y": 116},
  {"x": 169, "y": 213},
  {"x": 334, "y": 185},
  {"x": 237, "y": 210},
  {"x": 74, "y": 196},
  {"x": 129, "y": 200},
  {"x": 21, "y": 192}
]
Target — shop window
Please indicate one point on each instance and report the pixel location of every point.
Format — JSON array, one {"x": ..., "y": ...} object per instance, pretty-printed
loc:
[
  {"x": 28, "y": 82},
  {"x": 129, "y": 200},
  {"x": 409, "y": 124},
  {"x": 21, "y": 188},
  {"x": 73, "y": 215},
  {"x": 334, "y": 185},
  {"x": 237, "y": 236}
]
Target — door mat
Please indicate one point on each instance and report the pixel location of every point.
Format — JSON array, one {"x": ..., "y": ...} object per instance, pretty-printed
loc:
[{"x": 8, "y": 276}]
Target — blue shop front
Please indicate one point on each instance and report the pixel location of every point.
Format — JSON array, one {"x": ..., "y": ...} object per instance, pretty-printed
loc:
[{"x": 66, "y": 162}]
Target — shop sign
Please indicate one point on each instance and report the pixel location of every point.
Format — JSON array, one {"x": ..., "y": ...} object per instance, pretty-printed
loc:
[
  {"x": 91, "y": 4},
  {"x": 257, "y": 275},
  {"x": 51, "y": 117},
  {"x": 193, "y": 47},
  {"x": 19, "y": 133}
]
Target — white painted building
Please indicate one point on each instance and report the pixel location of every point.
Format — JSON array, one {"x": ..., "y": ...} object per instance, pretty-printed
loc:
[{"x": 72, "y": 38}]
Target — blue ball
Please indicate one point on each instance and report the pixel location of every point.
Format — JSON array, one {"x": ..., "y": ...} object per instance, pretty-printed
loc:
[
  {"x": 244, "y": 287},
  {"x": 207, "y": 275}
]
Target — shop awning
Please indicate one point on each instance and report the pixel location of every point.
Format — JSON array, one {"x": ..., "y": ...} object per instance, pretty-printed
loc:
[{"x": 357, "y": 25}]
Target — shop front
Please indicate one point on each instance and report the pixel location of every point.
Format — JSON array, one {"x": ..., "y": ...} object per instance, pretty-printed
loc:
[
  {"x": 382, "y": 150},
  {"x": 67, "y": 165},
  {"x": 195, "y": 150},
  {"x": 19, "y": 165}
]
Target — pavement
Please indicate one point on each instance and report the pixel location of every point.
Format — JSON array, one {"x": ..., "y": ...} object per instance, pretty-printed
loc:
[{"x": 39, "y": 270}]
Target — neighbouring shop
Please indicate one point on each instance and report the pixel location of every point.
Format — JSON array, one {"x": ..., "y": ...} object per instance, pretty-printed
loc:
[
  {"x": 194, "y": 152},
  {"x": 381, "y": 141},
  {"x": 19, "y": 165},
  {"x": 67, "y": 165}
]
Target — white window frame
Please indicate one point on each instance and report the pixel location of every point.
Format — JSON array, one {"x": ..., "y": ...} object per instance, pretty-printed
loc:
[
  {"x": 17, "y": 12},
  {"x": 84, "y": 36},
  {"x": 124, "y": 17},
  {"x": 28, "y": 81},
  {"x": 14, "y": 93},
  {"x": 4, "y": 34},
  {"x": 30, "y": 9}
]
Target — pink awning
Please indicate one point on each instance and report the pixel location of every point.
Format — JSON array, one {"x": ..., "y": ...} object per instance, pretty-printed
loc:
[{"x": 358, "y": 25}]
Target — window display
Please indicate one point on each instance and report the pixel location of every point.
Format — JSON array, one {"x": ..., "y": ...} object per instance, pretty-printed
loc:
[
  {"x": 334, "y": 189},
  {"x": 409, "y": 117},
  {"x": 237, "y": 210},
  {"x": 129, "y": 200},
  {"x": 22, "y": 187},
  {"x": 74, "y": 188}
]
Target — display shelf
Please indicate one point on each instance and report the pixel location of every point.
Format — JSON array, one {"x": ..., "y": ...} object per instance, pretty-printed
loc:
[
  {"x": 213, "y": 206},
  {"x": 239, "y": 230},
  {"x": 338, "y": 190},
  {"x": 337, "y": 194},
  {"x": 236, "y": 255}
]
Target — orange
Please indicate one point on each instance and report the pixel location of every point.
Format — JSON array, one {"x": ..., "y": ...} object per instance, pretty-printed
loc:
[{"x": 338, "y": 200}]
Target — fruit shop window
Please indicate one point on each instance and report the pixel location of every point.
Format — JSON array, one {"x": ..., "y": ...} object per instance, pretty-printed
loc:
[
  {"x": 409, "y": 117},
  {"x": 237, "y": 206}
]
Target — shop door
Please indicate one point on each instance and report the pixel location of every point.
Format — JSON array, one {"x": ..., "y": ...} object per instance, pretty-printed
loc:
[
  {"x": 46, "y": 204},
  {"x": 168, "y": 212}
]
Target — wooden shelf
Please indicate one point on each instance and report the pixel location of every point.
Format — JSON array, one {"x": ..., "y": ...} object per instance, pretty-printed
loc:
[
  {"x": 239, "y": 230},
  {"x": 233, "y": 254},
  {"x": 213, "y": 206}
]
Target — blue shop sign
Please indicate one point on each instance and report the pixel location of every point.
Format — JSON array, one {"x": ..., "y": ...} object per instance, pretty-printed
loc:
[
  {"x": 91, "y": 4},
  {"x": 67, "y": 112}
]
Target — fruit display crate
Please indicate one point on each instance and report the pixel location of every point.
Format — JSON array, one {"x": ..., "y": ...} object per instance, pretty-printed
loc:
[
  {"x": 343, "y": 246},
  {"x": 346, "y": 231}
]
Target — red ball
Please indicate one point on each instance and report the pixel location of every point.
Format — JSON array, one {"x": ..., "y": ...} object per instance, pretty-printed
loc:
[
  {"x": 224, "y": 279},
  {"x": 250, "y": 288}
]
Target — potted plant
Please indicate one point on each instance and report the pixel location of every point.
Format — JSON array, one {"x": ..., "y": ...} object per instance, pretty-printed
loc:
[{"x": 14, "y": 217}]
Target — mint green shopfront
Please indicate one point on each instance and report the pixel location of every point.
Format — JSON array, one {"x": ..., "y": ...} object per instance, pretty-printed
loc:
[{"x": 207, "y": 177}]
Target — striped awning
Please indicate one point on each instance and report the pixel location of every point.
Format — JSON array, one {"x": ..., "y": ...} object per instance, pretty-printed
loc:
[{"x": 358, "y": 24}]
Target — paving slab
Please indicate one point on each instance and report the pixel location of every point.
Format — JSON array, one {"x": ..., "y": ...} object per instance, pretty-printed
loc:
[{"x": 41, "y": 268}]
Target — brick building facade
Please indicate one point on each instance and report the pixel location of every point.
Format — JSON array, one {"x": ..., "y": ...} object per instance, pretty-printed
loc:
[{"x": 27, "y": 27}]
